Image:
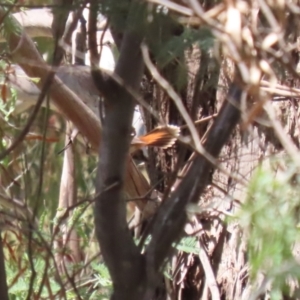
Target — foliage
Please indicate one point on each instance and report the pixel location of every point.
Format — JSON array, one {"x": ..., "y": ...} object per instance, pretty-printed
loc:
[
  {"x": 23, "y": 263},
  {"x": 20, "y": 176},
  {"x": 270, "y": 217}
]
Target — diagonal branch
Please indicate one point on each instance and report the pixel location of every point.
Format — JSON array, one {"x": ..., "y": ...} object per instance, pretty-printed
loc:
[
  {"x": 3, "y": 284},
  {"x": 26, "y": 55},
  {"x": 171, "y": 216}
]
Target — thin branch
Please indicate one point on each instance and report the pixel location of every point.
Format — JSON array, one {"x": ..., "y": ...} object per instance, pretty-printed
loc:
[
  {"x": 209, "y": 273},
  {"x": 285, "y": 140},
  {"x": 29, "y": 123},
  {"x": 92, "y": 36},
  {"x": 3, "y": 282},
  {"x": 201, "y": 121}
]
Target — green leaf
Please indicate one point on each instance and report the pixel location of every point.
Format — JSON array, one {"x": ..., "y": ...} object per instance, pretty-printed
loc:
[{"x": 188, "y": 245}]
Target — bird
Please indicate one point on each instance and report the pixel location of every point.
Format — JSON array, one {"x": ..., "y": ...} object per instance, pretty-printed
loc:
[{"x": 162, "y": 136}]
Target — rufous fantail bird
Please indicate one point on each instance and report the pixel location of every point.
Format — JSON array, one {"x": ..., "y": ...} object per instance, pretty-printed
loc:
[{"x": 162, "y": 137}]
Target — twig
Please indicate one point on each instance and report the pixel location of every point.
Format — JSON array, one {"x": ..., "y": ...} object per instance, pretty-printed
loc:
[
  {"x": 101, "y": 41},
  {"x": 286, "y": 142},
  {"x": 209, "y": 273},
  {"x": 3, "y": 279},
  {"x": 92, "y": 36},
  {"x": 201, "y": 121},
  {"x": 279, "y": 89},
  {"x": 31, "y": 119}
]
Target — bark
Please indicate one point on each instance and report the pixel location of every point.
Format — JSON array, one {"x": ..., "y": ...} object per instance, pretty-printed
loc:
[{"x": 120, "y": 253}]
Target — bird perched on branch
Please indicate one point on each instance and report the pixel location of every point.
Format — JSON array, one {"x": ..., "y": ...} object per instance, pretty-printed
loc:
[{"x": 162, "y": 137}]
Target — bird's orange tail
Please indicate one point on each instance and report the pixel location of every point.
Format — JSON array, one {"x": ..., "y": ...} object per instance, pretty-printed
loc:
[{"x": 162, "y": 136}]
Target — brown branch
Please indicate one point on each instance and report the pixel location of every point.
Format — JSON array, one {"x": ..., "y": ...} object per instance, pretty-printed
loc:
[
  {"x": 68, "y": 102},
  {"x": 122, "y": 256},
  {"x": 171, "y": 216},
  {"x": 67, "y": 198},
  {"x": 3, "y": 282},
  {"x": 60, "y": 16},
  {"x": 26, "y": 55},
  {"x": 209, "y": 273},
  {"x": 92, "y": 34}
]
